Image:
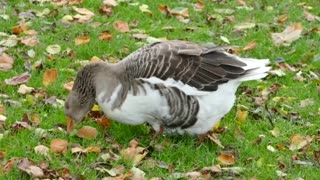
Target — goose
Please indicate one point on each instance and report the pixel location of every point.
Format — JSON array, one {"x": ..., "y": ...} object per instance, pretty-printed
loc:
[{"x": 174, "y": 86}]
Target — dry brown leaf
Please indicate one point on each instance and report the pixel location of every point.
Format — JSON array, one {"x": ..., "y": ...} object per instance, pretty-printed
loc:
[
  {"x": 290, "y": 34},
  {"x": 241, "y": 2},
  {"x": 226, "y": 159},
  {"x": 29, "y": 167},
  {"x": 20, "y": 79},
  {"x": 297, "y": 142},
  {"x": 49, "y": 77},
  {"x": 19, "y": 29},
  {"x": 30, "y": 41},
  {"x": 83, "y": 11},
  {"x": 112, "y": 3},
  {"x": 164, "y": 9},
  {"x": 104, "y": 122},
  {"x": 200, "y": 4},
  {"x": 282, "y": 18},
  {"x": 6, "y": 62},
  {"x": 105, "y": 36},
  {"x": 87, "y": 132},
  {"x": 59, "y": 146},
  {"x": 134, "y": 152},
  {"x": 180, "y": 11},
  {"x": 251, "y": 45},
  {"x": 68, "y": 86},
  {"x": 2, "y": 109},
  {"x": 215, "y": 139},
  {"x": 82, "y": 40},
  {"x": 9, "y": 165},
  {"x": 140, "y": 36},
  {"x": 310, "y": 17},
  {"x": 121, "y": 26},
  {"x": 70, "y": 124}
]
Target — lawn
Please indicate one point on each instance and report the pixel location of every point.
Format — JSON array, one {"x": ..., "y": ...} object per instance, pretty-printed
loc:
[{"x": 272, "y": 132}]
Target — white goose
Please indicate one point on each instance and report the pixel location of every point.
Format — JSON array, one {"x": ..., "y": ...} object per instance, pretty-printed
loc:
[{"x": 177, "y": 86}]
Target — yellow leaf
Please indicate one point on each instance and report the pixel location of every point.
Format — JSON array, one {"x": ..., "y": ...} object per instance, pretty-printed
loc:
[{"x": 242, "y": 115}]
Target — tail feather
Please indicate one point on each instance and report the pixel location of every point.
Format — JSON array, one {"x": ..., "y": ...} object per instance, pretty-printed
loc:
[{"x": 255, "y": 69}]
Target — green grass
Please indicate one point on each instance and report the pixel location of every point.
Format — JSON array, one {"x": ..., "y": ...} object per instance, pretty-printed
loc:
[{"x": 181, "y": 152}]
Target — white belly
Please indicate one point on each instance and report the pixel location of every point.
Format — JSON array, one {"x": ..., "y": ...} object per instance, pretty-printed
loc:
[{"x": 150, "y": 108}]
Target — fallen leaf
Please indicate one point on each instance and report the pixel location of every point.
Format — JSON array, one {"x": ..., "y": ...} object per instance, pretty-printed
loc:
[
  {"x": 20, "y": 79},
  {"x": 82, "y": 40},
  {"x": 145, "y": 9},
  {"x": 68, "y": 86},
  {"x": 105, "y": 36},
  {"x": 86, "y": 150},
  {"x": 8, "y": 166},
  {"x": 242, "y": 115},
  {"x": 23, "y": 89},
  {"x": 137, "y": 174},
  {"x": 2, "y": 109},
  {"x": 134, "y": 152},
  {"x": 275, "y": 132},
  {"x": 112, "y": 3},
  {"x": 280, "y": 173},
  {"x": 41, "y": 149},
  {"x": 233, "y": 170},
  {"x": 30, "y": 41},
  {"x": 290, "y": 34},
  {"x": 271, "y": 148},
  {"x": 2, "y": 119},
  {"x": 10, "y": 42},
  {"x": 29, "y": 167},
  {"x": 225, "y": 39},
  {"x": 49, "y": 77},
  {"x": 140, "y": 36},
  {"x": 215, "y": 139},
  {"x": 6, "y": 62},
  {"x": 226, "y": 159},
  {"x": 83, "y": 11},
  {"x": 199, "y": 5},
  {"x": 297, "y": 142},
  {"x": 251, "y": 45},
  {"x": 212, "y": 169},
  {"x": 282, "y": 18},
  {"x": 104, "y": 122},
  {"x": 180, "y": 11},
  {"x": 310, "y": 17},
  {"x": 121, "y": 26},
  {"x": 59, "y": 146},
  {"x": 19, "y": 29},
  {"x": 306, "y": 102},
  {"x": 224, "y": 11},
  {"x": 87, "y": 132},
  {"x": 107, "y": 6},
  {"x": 53, "y": 49},
  {"x": 243, "y": 26}
]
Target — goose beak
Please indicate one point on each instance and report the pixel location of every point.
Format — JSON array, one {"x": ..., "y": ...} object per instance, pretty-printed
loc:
[{"x": 71, "y": 124}]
